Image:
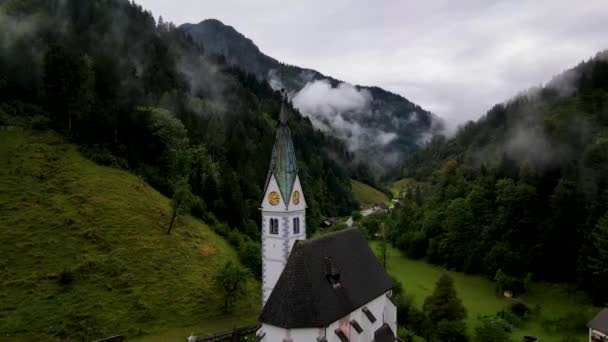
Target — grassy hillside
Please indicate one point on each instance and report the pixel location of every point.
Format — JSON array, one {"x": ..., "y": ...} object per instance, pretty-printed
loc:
[
  {"x": 478, "y": 296},
  {"x": 85, "y": 254},
  {"x": 366, "y": 195}
]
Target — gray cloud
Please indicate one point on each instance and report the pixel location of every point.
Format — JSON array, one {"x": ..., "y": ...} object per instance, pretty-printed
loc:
[
  {"x": 455, "y": 58},
  {"x": 334, "y": 108}
]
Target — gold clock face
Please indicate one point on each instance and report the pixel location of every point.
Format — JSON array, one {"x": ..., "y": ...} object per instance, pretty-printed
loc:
[
  {"x": 274, "y": 198},
  {"x": 296, "y": 197}
]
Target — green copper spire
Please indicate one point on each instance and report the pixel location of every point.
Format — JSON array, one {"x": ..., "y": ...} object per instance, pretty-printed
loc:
[{"x": 283, "y": 163}]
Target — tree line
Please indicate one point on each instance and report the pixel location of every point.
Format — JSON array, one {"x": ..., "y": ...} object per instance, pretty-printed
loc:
[
  {"x": 137, "y": 94},
  {"x": 520, "y": 194}
]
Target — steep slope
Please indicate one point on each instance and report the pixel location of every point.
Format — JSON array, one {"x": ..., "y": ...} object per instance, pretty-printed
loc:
[
  {"x": 84, "y": 250},
  {"x": 523, "y": 190},
  {"x": 366, "y": 195},
  {"x": 379, "y": 126},
  {"x": 136, "y": 91}
]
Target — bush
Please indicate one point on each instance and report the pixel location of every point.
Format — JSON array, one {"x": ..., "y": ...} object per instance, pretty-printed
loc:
[
  {"x": 520, "y": 309},
  {"x": 452, "y": 331},
  {"x": 250, "y": 256},
  {"x": 497, "y": 321},
  {"x": 235, "y": 239},
  {"x": 103, "y": 156},
  {"x": 511, "y": 318},
  {"x": 492, "y": 329},
  {"x": 66, "y": 277},
  {"x": 404, "y": 334},
  {"x": 40, "y": 122}
]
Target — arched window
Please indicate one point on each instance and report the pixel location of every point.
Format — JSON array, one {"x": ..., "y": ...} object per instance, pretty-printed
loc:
[
  {"x": 296, "y": 225},
  {"x": 274, "y": 226}
]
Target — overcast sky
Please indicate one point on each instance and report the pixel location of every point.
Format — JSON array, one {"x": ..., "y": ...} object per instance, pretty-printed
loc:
[{"x": 455, "y": 58}]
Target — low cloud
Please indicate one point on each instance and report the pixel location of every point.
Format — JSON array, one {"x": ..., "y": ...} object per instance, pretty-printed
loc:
[
  {"x": 338, "y": 109},
  {"x": 319, "y": 98}
]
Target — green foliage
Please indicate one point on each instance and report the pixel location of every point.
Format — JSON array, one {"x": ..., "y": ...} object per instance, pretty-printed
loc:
[
  {"x": 478, "y": 297},
  {"x": 520, "y": 309},
  {"x": 571, "y": 323},
  {"x": 182, "y": 200},
  {"x": 491, "y": 329},
  {"x": 231, "y": 281},
  {"x": 372, "y": 224},
  {"x": 145, "y": 96},
  {"x": 520, "y": 189},
  {"x": 507, "y": 283},
  {"x": 444, "y": 303},
  {"x": 419, "y": 323},
  {"x": 451, "y": 331},
  {"x": 83, "y": 234}
]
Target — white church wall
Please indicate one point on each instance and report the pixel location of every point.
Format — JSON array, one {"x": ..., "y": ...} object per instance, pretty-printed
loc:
[{"x": 382, "y": 308}]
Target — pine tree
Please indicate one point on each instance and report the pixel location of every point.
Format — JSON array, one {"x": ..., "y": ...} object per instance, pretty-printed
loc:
[
  {"x": 598, "y": 263},
  {"x": 444, "y": 303}
]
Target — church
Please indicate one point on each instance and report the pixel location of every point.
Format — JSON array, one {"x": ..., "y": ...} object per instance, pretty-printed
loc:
[{"x": 331, "y": 288}]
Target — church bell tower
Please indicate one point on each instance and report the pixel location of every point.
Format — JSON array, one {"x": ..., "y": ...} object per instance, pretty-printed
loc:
[{"x": 283, "y": 207}]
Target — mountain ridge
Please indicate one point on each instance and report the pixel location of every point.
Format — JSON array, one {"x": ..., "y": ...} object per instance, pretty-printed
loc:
[{"x": 379, "y": 126}]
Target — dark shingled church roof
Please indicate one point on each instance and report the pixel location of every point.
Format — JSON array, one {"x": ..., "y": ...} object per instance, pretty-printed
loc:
[
  {"x": 324, "y": 280},
  {"x": 283, "y": 163},
  {"x": 600, "y": 322}
]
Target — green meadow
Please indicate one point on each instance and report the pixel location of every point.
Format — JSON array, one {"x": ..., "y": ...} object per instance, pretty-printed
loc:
[
  {"x": 367, "y": 195},
  {"x": 478, "y": 295},
  {"x": 85, "y": 253}
]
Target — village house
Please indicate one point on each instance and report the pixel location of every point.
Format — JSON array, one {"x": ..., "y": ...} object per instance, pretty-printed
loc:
[
  {"x": 380, "y": 207},
  {"x": 331, "y": 288},
  {"x": 598, "y": 327}
]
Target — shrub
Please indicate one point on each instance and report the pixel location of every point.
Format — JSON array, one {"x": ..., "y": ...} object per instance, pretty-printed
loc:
[
  {"x": 103, "y": 156},
  {"x": 66, "y": 277},
  {"x": 497, "y": 321},
  {"x": 40, "y": 122},
  {"x": 250, "y": 256},
  {"x": 512, "y": 318},
  {"x": 453, "y": 331},
  {"x": 492, "y": 329},
  {"x": 520, "y": 309},
  {"x": 404, "y": 334}
]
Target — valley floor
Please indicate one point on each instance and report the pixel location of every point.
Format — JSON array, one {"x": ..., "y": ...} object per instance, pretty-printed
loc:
[{"x": 478, "y": 295}]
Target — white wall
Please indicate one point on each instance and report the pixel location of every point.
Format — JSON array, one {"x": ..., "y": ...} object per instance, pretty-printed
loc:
[{"x": 382, "y": 308}]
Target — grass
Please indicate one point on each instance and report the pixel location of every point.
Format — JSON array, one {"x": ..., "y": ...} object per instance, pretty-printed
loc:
[
  {"x": 85, "y": 254},
  {"x": 366, "y": 195},
  {"x": 478, "y": 296}
]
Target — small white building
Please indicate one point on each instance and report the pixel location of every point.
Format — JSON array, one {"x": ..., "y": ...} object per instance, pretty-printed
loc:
[
  {"x": 330, "y": 288},
  {"x": 598, "y": 327}
]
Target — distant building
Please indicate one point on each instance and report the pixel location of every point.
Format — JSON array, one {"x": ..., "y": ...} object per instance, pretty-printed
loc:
[
  {"x": 380, "y": 207},
  {"x": 598, "y": 327},
  {"x": 328, "y": 222},
  {"x": 329, "y": 289}
]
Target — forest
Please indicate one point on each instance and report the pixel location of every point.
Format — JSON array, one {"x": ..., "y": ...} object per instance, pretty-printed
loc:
[
  {"x": 521, "y": 194},
  {"x": 135, "y": 93}
]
